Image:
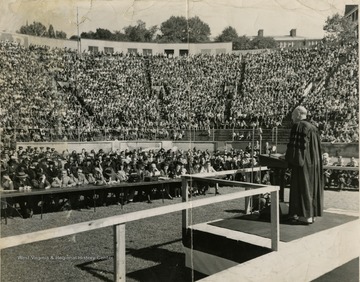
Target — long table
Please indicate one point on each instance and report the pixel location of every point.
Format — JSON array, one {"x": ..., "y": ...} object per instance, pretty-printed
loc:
[
  {"x": 51, "y": 191},
  {"x": 11, "y": 194},
  {"x": 123, "y": 185}
]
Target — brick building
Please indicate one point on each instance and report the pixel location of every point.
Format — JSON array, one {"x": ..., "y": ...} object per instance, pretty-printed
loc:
[
  {"x": 292, "y": 40},
  {"x": 352, "y": 12}
]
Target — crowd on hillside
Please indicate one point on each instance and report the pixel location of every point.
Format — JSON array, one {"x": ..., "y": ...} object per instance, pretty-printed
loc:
[{"x": 58, "y": 94}]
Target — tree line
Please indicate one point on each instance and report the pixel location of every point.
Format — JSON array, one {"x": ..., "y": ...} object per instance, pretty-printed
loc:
[
  {"x": 178, "y": 29},
  {"x": 38, "y": 29}
]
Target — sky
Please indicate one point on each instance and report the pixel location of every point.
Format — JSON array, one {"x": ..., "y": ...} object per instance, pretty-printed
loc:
[{"x": 275, "y": 17}]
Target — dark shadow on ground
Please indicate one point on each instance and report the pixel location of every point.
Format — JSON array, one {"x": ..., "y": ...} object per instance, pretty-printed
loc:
[
  {"x": 170, "y": 267},
  {"x": 95, "y": 271},
  {"x": 235, "y": 211},
  {"x": 346, "y": 272}
]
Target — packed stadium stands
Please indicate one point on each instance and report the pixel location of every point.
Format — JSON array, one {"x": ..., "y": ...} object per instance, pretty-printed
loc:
[{"x": 58, "y": 94}]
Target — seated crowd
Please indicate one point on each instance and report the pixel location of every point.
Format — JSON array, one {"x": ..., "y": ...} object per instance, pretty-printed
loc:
[
  {"x": 58, "y": 94},
  {"x": 335, "y": 107},
  {"x": 34, "y": 168},
  {"x": 340, "y": 178}
]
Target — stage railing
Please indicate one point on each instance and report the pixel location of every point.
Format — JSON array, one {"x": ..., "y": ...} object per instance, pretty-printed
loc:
[{"x": 118, "y": 222}]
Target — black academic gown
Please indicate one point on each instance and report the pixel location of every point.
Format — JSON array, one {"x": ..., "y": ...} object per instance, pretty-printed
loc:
[{"x": 305, "y": 160}]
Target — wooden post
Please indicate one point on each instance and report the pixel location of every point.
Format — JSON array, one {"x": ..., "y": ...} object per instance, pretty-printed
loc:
[
  {"x": 119, "y": 253},
  {"x": 248, "y": 203},
  {"x": 185, "y": 198},
  {"x": 252, "y": 154},
  {"x": 275, "y": 232}
]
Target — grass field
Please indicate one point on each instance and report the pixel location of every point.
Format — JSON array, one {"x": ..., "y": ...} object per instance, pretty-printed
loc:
[{"x": 153, "y": 246}]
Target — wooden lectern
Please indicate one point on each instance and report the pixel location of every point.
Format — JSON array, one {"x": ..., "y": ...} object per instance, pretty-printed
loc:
[{"x": 279, "y": 167}]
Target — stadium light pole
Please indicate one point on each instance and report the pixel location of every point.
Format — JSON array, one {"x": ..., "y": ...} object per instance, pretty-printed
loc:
[
  {"x": 260, "y": 138},
  {"x": 78, "y": 32}
]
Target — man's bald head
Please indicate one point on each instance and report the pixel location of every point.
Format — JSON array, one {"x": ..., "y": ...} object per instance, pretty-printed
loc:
[{"x": 299, "y": 113}]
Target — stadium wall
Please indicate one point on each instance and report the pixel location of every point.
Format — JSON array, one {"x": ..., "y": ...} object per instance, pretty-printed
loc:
[
  {"x": 22, "y": 40},
  {"x": 27, "y": 40},
  {"x": 252, "y": 51},
  {"x": 148, "y": 48},
  {"x": 144, "y": 48},
  {"x": 347, "y": 150},
  {"x": 210, "y": 146},
  {"x": 97, "y": 145}
]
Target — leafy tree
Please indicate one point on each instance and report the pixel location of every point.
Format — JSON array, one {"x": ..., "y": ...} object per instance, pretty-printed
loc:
[
  {"x": 119, "y": 36},
  {"x": 198, "y": 30},
  {"x": 262, "y": 42},
  {"x": 51, "y": 31},
  {"x": 339, "y": 29},
  {"x": 174, "y": 30},
  {"x": 139, "y": 33},
  {"x": 60, "y": 34},
  {"x": 102, "y": 33},
  {"x": 88, "y": 35},
  {"x": 179, "y": 29},
  {"x": 36, "y": 29},
  {"x": 74, "y": 37},
  {"x": 229, "y": 34},
  {"x": 242, "y": 43}
]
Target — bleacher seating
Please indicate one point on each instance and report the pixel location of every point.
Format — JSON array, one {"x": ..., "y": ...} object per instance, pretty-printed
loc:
[{"x": 57, "y": 94}]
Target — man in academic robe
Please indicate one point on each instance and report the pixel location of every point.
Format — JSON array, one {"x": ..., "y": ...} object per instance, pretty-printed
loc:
[{"x": 305, "y": 160}]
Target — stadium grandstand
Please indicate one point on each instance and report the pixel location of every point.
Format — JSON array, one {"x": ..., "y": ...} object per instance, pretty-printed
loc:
[
  {"x": 120, "y": 128},
  {"x": 59, "y": 95}
]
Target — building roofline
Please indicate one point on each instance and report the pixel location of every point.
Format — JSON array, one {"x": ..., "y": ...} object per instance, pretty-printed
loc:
[
  {"x": 351, "y": 10},
  {"x": 289, "y": 38}
]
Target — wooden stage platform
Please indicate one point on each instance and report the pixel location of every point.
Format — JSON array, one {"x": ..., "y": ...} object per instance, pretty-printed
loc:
[{"x": 220, "y": 250}]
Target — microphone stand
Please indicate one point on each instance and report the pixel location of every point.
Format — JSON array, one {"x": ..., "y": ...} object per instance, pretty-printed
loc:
[
  {"x": 260, "y": 140},
  {"x": 252, "y": 152},
  {"x": 248, "y": 200},
  {"x": 276, "y": 138}
]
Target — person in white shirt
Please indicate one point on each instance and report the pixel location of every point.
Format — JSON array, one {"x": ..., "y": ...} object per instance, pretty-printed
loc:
[{"x": 207, "y": 168}]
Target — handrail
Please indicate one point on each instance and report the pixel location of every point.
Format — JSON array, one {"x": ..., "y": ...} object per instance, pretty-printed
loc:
[
  {"x": 118, "y": 221},
  {"x": 12, "y": 241},
  {"x": 229, "y": 172}
]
